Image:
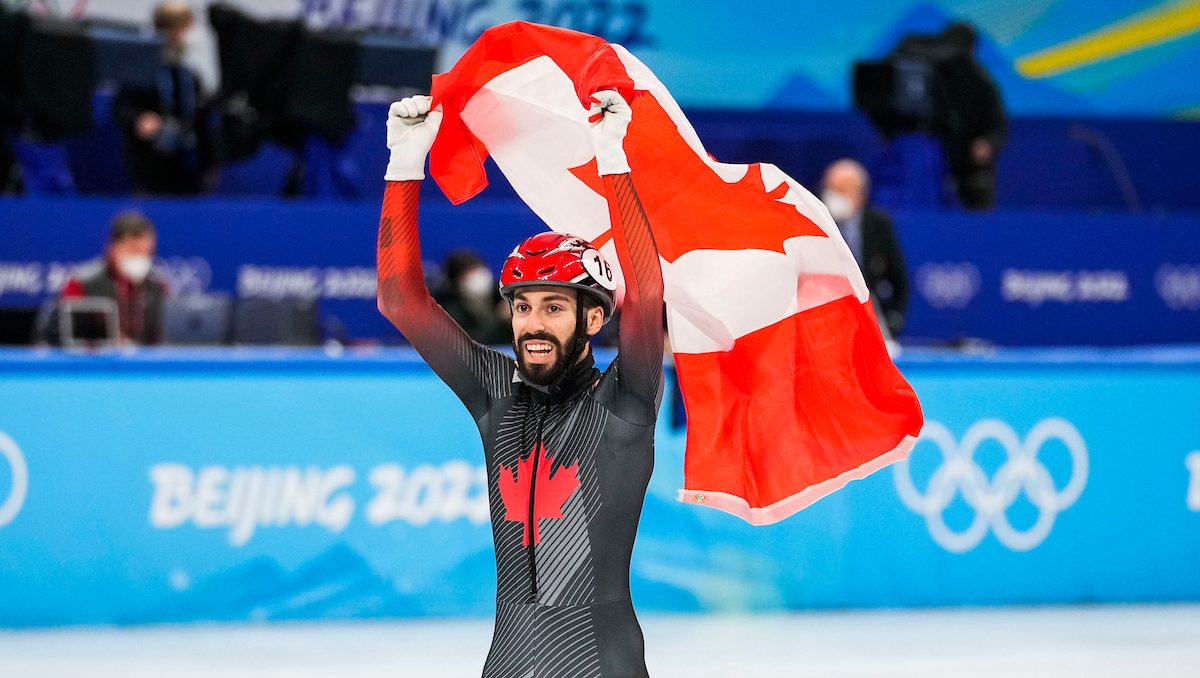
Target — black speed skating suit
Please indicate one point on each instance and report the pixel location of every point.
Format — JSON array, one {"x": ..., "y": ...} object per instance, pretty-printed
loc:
[{"x": 567, "y": 467}]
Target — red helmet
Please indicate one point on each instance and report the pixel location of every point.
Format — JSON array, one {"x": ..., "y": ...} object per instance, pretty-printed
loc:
[{"x": 557, "y": 259}]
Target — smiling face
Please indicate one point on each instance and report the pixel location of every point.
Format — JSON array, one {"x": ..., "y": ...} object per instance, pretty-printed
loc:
[{"x": 543, "y": 324}]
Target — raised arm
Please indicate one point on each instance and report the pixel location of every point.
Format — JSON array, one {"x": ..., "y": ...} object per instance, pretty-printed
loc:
[
  {"x": 640, "y": 347},
  {"x": 403, "y": 297}
]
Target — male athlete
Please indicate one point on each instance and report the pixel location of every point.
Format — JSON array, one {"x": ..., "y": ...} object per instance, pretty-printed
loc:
[{"x": 568, "y": 448}]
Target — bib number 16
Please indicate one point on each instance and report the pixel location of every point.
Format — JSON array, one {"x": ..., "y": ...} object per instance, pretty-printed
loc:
[{"x": 599, "y": 269}]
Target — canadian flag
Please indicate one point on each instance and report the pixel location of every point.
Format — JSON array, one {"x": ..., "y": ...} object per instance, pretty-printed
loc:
[{"x": 789, "y": 389}]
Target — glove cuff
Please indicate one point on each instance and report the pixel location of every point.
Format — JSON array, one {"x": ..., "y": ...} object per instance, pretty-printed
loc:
[
  {"x": 402, "y": 176},
  {"x": 606, "y": 166},
  {"x": 610, "y": 156},
  {"x": 404, "y": 170}
]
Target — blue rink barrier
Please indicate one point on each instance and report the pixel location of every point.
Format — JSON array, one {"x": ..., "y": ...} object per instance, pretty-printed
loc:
[{"x": 163, "y": 486}]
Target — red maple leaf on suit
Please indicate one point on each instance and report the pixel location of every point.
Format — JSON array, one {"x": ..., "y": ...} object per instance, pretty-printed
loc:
[{"x": 550, "y": 491}]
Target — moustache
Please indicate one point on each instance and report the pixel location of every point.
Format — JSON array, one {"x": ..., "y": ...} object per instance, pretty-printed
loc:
[{"x": 540, "y": 336}]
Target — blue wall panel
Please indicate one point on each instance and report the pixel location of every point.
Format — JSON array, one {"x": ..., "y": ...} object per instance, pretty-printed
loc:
[{"x": 1011, "y": 278}]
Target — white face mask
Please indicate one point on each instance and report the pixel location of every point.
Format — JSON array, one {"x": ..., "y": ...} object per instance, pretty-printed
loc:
[
  {"x": 134, "y": 268},
  {"x": 840, "y": 207},
  {"x": 477, "y": 284}
]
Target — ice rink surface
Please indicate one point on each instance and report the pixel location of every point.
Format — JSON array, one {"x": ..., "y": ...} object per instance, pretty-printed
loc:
[{"x": 1142, "y": 641}]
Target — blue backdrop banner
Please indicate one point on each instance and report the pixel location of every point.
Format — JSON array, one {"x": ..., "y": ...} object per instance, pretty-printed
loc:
[
  {"x": 1011, "y": 278},
  {"x": 267, "y": 485},
  {"x": 1045, "y": 278}
]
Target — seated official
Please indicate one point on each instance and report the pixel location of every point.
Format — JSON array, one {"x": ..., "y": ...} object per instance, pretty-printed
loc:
[{"x": 126, "y": 275}]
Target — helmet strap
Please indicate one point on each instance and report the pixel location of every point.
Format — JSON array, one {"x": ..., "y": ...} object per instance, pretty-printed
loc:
[
  {"x": 579, "y": 340},
  {"x": 581, "y": 335}
]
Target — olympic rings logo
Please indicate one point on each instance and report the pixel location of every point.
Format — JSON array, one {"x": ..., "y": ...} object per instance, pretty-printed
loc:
[
  {"x": 20, "y": 479},
  {"x": 948, "y": 284},
  {"x": 990, "y": 498}
]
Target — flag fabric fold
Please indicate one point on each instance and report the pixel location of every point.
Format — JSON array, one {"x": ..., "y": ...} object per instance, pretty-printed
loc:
[{"x": 789, "y": 390}]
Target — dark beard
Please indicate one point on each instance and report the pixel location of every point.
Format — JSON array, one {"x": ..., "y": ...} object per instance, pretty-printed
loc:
[{"x": 545, "y": 375}]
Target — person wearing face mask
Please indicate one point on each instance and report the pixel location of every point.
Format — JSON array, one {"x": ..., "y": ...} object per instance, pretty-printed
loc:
[
  {"x": 871, "y": 237},
  {"x": 167, "y": 147},
  {"x": 126, "y": 275},
  {"x": 473, "y": 300}
]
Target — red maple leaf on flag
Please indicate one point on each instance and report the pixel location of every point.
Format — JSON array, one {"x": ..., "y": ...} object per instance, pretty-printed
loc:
[
  {"x": 713, "y": 210},
  {"x": 549, "y": 491}
]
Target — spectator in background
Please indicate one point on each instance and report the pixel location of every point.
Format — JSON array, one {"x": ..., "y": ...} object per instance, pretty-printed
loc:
[
  {"x": 472, "y": 297},
  {"x": 11, "y": 113},
  {"x": 972, "y": 125},
  {"x": 869, "y": 233},
  {"x": 167, "y": 146},
  {"x": 126, "y": 275}
]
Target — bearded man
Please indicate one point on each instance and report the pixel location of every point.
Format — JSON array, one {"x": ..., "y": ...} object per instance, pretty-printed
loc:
[{"x": 568, "y": 448}]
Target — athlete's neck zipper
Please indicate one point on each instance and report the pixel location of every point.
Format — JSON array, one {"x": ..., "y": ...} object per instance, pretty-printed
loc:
[{"x": 538, "y": 443}]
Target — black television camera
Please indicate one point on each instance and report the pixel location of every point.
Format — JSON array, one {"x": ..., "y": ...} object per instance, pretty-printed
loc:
[{"x": 918, "y": 86}]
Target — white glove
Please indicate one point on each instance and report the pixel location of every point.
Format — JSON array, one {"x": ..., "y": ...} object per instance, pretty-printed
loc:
[
  {"x": 411, "y": 128},
  {"x": 609, "y": 116}
]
